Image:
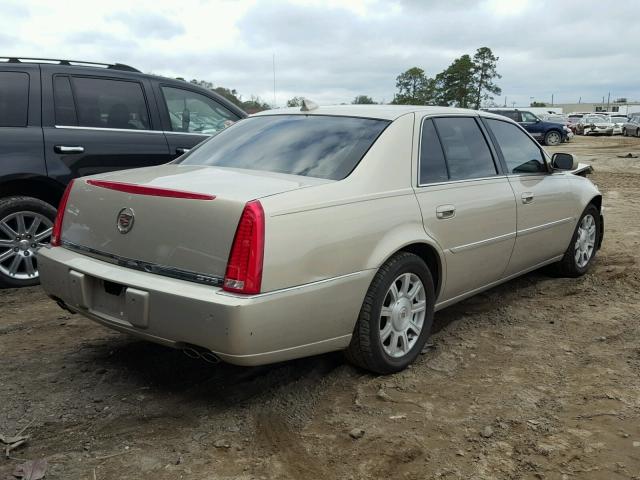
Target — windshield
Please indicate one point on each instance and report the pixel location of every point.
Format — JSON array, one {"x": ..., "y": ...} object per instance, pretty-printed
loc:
[
  {"x": 618, "y": 119},
  {"x": 310, "y": 145},
  {"x": 595, "y": 119}
]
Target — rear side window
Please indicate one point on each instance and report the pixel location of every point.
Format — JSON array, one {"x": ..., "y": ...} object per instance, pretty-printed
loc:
[
  {"x": 192, "y": 112},
  {"x": 63, "y": 101},
  {"x": 465, "y": 148},
  {"x": 106, "y": 103},
  {"x": 14, "y": 99},
  {"x": 433, "y": 167},
  {"x": 513, "y": 115},
  {"x": 309, "y": 145},
  {"x": 521, "y": 153}
]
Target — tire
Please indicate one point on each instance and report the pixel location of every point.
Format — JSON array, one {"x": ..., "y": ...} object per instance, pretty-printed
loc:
[
  {"x": 25, "y": 225},
  {"x": 637, "y": 132},
  {"x": 624, "y": 132},
  {"x": 569, "y": 266},
  {"x": 368, "y": 348},
  {"x": 553, "y": 138}
]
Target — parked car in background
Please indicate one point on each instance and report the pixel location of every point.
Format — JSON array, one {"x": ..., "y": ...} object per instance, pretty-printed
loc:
[
  {"x": 618, "y": 123},
  {"x": 302, "y": 231},
  {"x": 632, "y": 127},
  {"x": 594, "y": 125},
  {"x": 547, "y": 133},
  {"x": 562, "y": 119},
  {"x": 61, "y": 119}
]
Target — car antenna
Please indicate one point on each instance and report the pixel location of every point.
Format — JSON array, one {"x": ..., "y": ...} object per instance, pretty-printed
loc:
[{"x": 308, "y": 105}]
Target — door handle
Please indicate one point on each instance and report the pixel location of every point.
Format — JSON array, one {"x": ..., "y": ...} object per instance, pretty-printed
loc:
[
  {"x": 68, "y": 149},
  {"x": 181, "y": 150},
  {"x": 527, "y": 197},
  {"x": 445, "y": 211}
]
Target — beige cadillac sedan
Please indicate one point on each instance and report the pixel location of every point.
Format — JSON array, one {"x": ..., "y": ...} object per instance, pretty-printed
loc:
[{"x": 298, "y": 232}]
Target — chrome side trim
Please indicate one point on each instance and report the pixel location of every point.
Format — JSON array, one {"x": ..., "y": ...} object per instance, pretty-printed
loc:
[
  {"x": 458, "y": 298},
  {"x": 148, "y": 267},
  {"x": 482, "y": 243},
  {"x": 105, "y": 129},
  {"x": 544, "y": 226},
  {"x": 289, "y": 289}
]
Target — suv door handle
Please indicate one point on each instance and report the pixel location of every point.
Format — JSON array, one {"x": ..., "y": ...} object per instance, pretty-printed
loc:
[
  {"x": 68, "y": 149},
  {"x": 527, "y": 197},
  {"x": 445, "y": 211},
  {"x": 181, "y": 150}
]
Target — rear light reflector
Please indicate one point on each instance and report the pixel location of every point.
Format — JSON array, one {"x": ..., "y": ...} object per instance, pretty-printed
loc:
[
  {"x": 151, "y": 191},
  {"x": 244, "y": 268},
  {"x": 56, "y": 232}
]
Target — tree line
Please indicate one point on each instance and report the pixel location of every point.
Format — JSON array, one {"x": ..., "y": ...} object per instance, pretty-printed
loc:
[{"x": 469, "y": 82}]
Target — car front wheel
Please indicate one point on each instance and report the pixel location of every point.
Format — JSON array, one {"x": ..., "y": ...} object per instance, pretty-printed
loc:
[
  {"x": 584, "y": 244},
  {"x": 25, "y": 225},
  {"x": 396, "y": 316},
  {"x": 552, "y": 138}
]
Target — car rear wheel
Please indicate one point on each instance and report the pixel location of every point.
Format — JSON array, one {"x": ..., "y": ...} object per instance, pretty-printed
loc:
[
  {"x": 624, "y": 132},
  {"x": 396, "y": 316},
  {"x": 25, "y": 225},
  {"x": 552, "y": 138},
  {"x": 637, "y": 132},
  {"x": 584, "y": 244}
]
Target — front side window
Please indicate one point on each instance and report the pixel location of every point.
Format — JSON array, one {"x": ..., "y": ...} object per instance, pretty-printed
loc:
[
  {"x": 14, "y": 99},
  {"x": 521, "y": 153},
  {"x": 311, "y": 145},
  {"x": 192, "y": 112},
  {"x": 528, "y": 117},
  {"x": 465, "y": 148},
  {"x": 107, "y": 103}
]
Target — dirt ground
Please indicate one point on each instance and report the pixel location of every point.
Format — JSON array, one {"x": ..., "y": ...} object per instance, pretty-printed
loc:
[{"x": 536, "y": 379}]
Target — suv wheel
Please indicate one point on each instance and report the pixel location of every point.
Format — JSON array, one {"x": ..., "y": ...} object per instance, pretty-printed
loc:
[
  {"x": 396, "y": 316},
  {"x": 624, "y": 132},
  {"x": 552, "y": 138},
  {"x": 25, "y": 225}
]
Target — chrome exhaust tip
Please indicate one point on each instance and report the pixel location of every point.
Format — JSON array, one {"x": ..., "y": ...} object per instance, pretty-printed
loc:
[{"x": 200, "y": 353}]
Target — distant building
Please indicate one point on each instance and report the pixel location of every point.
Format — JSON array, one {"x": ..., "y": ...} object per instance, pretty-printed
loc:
[{"x": 613, "y": 107}]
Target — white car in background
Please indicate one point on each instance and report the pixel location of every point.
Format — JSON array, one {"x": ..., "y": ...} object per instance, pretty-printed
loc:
[
  {"x": 594, "y": 125},
  {"x": 618, "y": 123}
]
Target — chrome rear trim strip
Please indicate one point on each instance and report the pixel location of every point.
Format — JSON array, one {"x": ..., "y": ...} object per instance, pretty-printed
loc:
[
  {"x": 132, "y": 130},
  {"x": 482, "y": 243},
  {"x": 140, "y": 265}
]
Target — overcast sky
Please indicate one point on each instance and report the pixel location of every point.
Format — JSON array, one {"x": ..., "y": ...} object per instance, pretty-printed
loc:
[{"x": 331, "y": 51}]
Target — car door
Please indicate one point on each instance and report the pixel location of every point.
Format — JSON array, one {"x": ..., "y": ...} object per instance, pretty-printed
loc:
[
  {"x": 545, "y": 210},
  {"x": 532, "y": 124},
  {"x": 190, "y": 117},
  {"x": 467, "y": 204},
  {"x": 98, "y": 123}
]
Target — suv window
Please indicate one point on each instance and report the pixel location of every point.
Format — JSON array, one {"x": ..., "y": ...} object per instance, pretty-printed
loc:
[
  {"x": 528, "y": 117},
  {"x": 192, "y": 112},
  {"x": 521, "y": 154},
  {"x": 63, "y": 101},
  {"x": 512, "y": 114},
  {"x": 465, "y": 148},
  {"x": 433, "y": 167},
  {"x": 14, "y": 99},
  {"x": 110, "y": 103},
  {"x": 311, "y": 145}
]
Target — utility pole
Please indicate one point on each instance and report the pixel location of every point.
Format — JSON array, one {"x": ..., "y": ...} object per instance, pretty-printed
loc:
[
  {"x": 552, "y": 99},
  {"x": 274, "y": 80},
  {"x": 608, "y": 100}
]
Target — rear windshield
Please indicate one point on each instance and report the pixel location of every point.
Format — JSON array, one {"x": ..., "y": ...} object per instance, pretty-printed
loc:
[{"x": 310, "y": 145}]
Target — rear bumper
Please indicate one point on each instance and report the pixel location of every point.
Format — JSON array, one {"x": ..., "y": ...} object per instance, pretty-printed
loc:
[{"x": 245, "y": 330}]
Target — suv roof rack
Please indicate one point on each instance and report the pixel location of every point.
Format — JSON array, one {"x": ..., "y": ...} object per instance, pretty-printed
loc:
[{"x": 78, "y": 63}]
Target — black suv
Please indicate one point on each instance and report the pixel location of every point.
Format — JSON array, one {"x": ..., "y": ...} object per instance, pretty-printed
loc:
[{"x": 61, "y": 119}]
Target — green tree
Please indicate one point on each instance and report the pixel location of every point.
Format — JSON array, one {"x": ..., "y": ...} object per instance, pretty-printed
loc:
[
  {"x": 485, "y": 73},
  {"x": 230, "y": 94},
  {"x": 363, "y": 100},
  {"x": 414, "y": 88},
  {"x": 295, "y": 102},
  {"x": 254, "y": 105},
  {"x": 537, "y": 104},
  {"x": 455, "y": 86}
]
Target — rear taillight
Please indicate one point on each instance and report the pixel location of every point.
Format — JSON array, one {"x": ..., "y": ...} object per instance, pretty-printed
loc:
[
  {"x": 244, "y": 269},
  {"x": 56, "y": 232}
]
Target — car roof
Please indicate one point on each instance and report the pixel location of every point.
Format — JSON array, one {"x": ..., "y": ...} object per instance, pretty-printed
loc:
[{"x": 383, "y": 112}]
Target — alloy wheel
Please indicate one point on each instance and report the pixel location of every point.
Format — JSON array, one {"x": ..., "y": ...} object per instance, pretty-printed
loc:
[
  {"x": 21, "y": 234},
  {"x": 553, "y": 138},
  {"x": 402, "y": 315},
  {"x": 586, "y": 241}
]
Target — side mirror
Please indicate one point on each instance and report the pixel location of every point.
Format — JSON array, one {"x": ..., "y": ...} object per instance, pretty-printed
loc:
[
  {"x": 563, "y": 161},
  {"x": 538, "y": 120}
]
